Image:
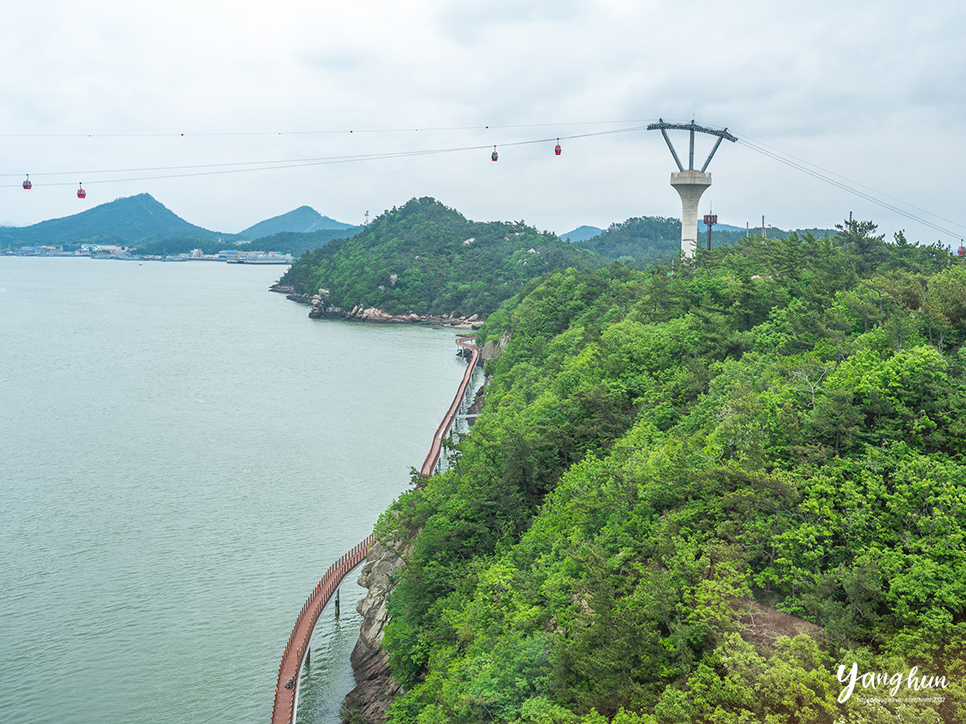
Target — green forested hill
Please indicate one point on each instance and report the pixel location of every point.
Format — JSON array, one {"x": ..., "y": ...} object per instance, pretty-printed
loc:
[
  {"x": 650, "y": 239},
  {"x": 426, "y": 258},
  {"x": 693, "y": 494},
  {"x": 644, "y": 240}
]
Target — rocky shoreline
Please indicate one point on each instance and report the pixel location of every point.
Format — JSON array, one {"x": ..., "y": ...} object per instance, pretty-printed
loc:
[{"x": 323, "y": 309}]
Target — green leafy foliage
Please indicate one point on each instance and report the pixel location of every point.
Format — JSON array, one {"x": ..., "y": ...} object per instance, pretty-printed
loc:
[{"x": 694, "y": 493}]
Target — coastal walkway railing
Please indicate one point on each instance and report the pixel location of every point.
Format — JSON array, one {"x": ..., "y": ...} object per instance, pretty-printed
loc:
[
  {"x": 297, "y": 648},
  {"x": 442, "y": 431}
]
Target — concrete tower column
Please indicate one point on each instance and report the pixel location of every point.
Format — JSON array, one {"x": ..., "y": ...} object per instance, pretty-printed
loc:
[{"x": 690, "y": 185}]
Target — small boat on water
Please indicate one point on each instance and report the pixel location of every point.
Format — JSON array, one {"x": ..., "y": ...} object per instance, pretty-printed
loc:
[{"x": 257, "y": 257}]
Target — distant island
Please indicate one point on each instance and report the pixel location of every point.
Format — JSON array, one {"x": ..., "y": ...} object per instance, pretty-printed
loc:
[
  {"x": 425, "y": 258},
  {"x": 582, "y": 233}
]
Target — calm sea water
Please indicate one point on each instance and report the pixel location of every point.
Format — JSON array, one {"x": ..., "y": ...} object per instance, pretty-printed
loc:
[{"x": 182, "y": 455}]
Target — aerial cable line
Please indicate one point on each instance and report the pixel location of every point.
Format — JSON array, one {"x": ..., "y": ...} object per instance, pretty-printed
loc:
[
  {"x": 319, "y": 132},
  {"x": 854, "y": 183},
  {"x": 781, "y": 158},
  {"x": 856, "y": 192},
  {"x": 227, "y": 168}
]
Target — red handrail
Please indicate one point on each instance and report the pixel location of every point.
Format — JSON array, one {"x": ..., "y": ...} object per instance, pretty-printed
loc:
[
  {"x": 283, "y": 710},
  {"x": 443, "y": 430}
]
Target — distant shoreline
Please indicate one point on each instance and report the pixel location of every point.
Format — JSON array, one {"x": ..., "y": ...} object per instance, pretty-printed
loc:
[{"x": 361, "y": 313}]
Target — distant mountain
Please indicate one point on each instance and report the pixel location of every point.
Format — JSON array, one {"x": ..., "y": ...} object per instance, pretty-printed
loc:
[
  {"x": 718, "y": 227},
  {"x": 126, "y": 221},
  {"x": 303, "y": 219},
  {"x": 582, "y": 233},
  {"x": 142, "y": 221}
]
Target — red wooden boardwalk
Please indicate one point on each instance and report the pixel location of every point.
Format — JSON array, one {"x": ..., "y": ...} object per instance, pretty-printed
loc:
[
  {"x": 283, "y": 711},
  {"x": 443, "y": 430}
]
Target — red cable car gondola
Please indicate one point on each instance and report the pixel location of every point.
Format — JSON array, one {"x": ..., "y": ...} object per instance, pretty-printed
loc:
[
  {"x": 81, "y": 193},
  {"x": 494, "y": 156},
  {"x": 26, "y": 184},
  {"x": 556, "y": 149},
  {"x": 962, "y": 251}
]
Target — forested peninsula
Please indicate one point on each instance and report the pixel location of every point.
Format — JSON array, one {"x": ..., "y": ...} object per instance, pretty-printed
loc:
[
  {"x": 717, "y": 491},
  {"x": 427, "y": 259}
]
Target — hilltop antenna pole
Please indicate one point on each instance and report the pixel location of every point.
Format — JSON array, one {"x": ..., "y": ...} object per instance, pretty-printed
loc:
[
  {"x": 709, "y": 221},
  {"x": 690, "y": 184}
]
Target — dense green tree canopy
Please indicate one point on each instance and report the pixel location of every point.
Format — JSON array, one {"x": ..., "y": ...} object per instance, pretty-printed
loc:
[{"x": 694, "y": 493}]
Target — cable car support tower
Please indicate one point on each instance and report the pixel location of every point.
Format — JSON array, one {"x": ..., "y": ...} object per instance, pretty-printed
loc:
[{"x": 690, "y": 184}]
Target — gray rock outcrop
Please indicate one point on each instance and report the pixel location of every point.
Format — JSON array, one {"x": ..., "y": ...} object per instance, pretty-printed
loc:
[
  {"x": 375, "y": 688},
  {"x": 492, "y": 350},
  {"x": 322, "y": 309}
]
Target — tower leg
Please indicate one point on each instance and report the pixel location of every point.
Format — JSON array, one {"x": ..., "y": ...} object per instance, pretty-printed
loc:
[{"x": 690, "y": 185}]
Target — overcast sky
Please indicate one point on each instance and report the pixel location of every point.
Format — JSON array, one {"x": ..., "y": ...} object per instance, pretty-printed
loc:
[{"x": 871, "y": 91}]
